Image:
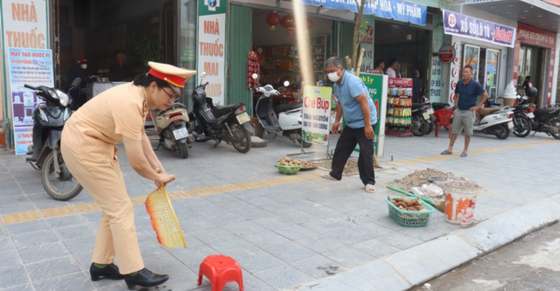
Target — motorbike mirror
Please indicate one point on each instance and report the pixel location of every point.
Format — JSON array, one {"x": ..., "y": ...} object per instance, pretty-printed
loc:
[
  {"x": 203, "y": 75},
  {"x": 286, "y": 83},
  {"x": 255, "y": 76}
]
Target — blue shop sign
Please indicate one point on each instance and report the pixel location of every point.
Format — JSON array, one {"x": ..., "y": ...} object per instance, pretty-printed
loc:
[{"x": 391, "y": 9}]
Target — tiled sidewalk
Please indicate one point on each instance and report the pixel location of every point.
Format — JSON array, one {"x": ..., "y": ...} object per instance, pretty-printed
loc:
[{"x": 282, "y": 234}]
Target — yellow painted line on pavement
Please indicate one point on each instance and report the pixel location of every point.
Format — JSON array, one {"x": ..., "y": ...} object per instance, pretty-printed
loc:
[
  {"x": 27, "y": 216},
  {"x": 438, "y": 157}
]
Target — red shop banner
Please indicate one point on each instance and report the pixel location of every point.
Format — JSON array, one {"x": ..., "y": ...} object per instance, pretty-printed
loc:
[{"x": 530, "y": 35}]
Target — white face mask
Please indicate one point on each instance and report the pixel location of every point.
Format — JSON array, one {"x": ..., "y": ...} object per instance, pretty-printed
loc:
[
  {"x": 333, "y": 76},
  {"x": 84, "y": 66}
]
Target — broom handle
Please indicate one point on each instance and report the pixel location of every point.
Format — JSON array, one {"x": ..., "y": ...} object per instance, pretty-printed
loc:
[{"x": 348, "y": 63}]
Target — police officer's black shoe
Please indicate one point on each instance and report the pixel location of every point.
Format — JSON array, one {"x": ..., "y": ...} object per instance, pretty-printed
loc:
[
  {"x": 110, "y": 271},
  {"x": 144, "y": 278}
]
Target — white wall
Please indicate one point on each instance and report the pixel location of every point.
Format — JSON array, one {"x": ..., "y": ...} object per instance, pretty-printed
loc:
[{"x": 263, "y": 36}]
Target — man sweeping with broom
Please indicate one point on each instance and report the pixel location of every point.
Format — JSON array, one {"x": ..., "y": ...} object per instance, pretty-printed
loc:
[{"x": 361, "y": 117}]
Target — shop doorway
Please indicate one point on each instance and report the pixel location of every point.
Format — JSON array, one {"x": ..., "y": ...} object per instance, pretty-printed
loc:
[
  {"x": 100, "y": 30},
  {"x": 409, "y": 45},
  {"x": 532, "y": 64}
]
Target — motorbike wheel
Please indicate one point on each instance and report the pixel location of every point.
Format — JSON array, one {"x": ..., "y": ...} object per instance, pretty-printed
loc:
[
  {"x": 419, "y": 125},
  {"x": 521, "y": 125},
  {"x": 503, "y": 132},
  {"x": 241, "y": 140},
  {"x": 556, "y": 123},
  {"x": 70, "y": 188},
  {"x": 183, "y": 149},
  {"x": 266, "y": 135},
  {"x": 431, "y": 124},
  {"x": 300, "y": 140}
]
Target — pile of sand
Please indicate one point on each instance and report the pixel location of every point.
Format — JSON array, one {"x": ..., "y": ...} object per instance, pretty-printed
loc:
[{"x": 452, "y": 184}]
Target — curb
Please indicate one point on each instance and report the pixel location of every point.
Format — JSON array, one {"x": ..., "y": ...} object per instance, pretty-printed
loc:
[{"x": 411, "y": 267}]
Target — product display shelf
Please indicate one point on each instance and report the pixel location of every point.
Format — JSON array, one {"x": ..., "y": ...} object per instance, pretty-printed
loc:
[{"x": 399, "y": 109}]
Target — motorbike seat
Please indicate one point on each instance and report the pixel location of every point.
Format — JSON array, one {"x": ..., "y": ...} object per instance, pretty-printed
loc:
[
  {"x": 439, "y": 105},
  {"x": 287, "y": 107},
  {"x": 225, "y": 109},
  {"x": 486, "y": 111},
  {"x": 545, "y": 111},
  {"x": 417, "y": 105}
]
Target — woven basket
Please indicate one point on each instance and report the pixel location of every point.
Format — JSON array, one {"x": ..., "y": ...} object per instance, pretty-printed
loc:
[
  {"x": 164, "y": 220},
  {"x": 288, "y": 170},
  {"x": 410, "y": 218}
]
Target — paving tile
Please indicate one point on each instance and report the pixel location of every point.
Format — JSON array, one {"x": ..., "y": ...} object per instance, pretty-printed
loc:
[
  {"x": 422, "y": 233},
  {"x": 244, "y": 227},
  {"x": 373, "y": 230},
  {"x": 43, "y": 252},
  {"x": 25, "y": 287},
  {"x": 6, "y": 244},
  {"x": 52, "y": 268},
  {"x": 194, "y": 255},
  {"x": 233, "y": 246},
  {"x": 76, "y": 281},
  {"x": 346, "y": 235},
  {"x": 324, "y": 285},
  {"x": 374, "y": 276},
  {"x": 323, "y": 211},
  {"x": 319, "y": 244},
  {"x": 80, "y": 244},
  {"x": 12, "y": 276},
  {"x": 318, "y": 266},
  {"x": 295, "y": 232},
  {"x": 266, "y": 239},
  {"x": 290, "y": 252},
  {"x": 34, "y": 239},
  {"x": 348, "y": 256},
  {"x": 9, "y": 257},
  {"x": 282, "y": 277},
  {"x": 271, "y": 222},
  {"x": 27, "y": 227},
  {"x": 66, "y": 221},
  {"x": 212, "y": 235},
  {"x": 257, "y": 260},
  {"x": 375, "y": 248}
]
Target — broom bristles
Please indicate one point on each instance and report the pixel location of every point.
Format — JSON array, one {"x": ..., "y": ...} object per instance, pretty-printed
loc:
[{"x": 163, "y": 218}]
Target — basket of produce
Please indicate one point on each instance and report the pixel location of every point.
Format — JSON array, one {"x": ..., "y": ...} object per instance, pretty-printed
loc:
[
  {"x": 409, "y": 212},
  {"x": 308, "y": 166},
  {"x": 288, "y": 166}
]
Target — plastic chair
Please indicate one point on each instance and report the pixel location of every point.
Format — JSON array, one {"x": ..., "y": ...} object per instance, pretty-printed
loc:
[
  {"x": 443, "y": 118},
  {"x": 220, "y": 270}
]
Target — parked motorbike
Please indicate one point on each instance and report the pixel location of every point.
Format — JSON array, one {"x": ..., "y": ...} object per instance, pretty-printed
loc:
[
  {"x": 495, "y": 120},
  {"x": 172, "y": 126},
  {"x": 545, "y": 120},
  {"x": 229, "y": 123},
  {"x": 420, "y": 118},
  {"x": 283, "y": 120},
  {"x": 49, "y": 118},
  {"x": 522, "y": 116}
]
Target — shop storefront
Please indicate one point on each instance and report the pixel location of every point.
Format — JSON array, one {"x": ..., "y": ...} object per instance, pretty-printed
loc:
[
  {"x": 535, "y": 52},
  {"x": 485, "y": 46}
]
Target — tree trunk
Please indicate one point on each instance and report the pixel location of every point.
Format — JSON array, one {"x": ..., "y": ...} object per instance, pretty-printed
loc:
[{"x": 357, "y": 28}]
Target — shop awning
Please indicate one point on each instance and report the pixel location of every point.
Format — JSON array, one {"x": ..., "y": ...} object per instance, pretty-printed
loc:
[
  {"x": 536, "y": 13},
  {"x": 391, "y": 9},
  {"x": 471, "y": 27}
]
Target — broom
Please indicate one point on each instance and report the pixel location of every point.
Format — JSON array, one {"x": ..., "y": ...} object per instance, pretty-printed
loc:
[{"x": 164, "y": 220}]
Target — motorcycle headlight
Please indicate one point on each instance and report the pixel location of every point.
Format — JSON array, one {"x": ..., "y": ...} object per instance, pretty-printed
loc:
[{"x": 62, "y": 97}]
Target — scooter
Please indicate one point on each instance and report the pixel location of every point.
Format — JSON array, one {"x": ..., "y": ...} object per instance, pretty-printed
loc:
[
  {"x": 495, "y": 120},
  {"x": 172, "y": 126},
  {"x": 522, "y": 117},
  {"x": 49, "y": 118},
  {"x": 229, "y": 123},
  {"x": 545, "y": 120},
  {"x": 420, "y": 121},
  {"x": 288, "y": 122}
]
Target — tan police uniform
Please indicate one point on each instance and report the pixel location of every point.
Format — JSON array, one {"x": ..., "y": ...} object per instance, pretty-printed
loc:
[{"x": 88, "y": 147}]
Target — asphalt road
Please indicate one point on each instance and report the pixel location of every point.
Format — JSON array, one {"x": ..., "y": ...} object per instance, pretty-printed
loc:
[{"x": 529, "y": 264}]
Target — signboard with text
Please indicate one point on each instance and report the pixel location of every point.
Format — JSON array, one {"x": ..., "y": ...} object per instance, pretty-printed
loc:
[
  {"x": 467, "y": 26},
  {"x": 391, "y": 9},
  {"x": 316, "y": 114},
  {"x": 31, "y": 67},
  {"x": 211, "y": 47},
  {"x": 377, "y": 89}
]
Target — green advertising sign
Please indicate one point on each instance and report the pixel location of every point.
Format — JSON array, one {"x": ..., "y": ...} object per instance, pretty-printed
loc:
[
  {"x": 209, "y": 7},
  {"x": 374, "y": 84}
]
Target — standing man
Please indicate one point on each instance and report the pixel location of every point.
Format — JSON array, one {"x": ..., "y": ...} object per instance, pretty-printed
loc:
[
  {"x": 466, "y": 95},
  {"x": 391, "y": 70},
  {"x": 361, "y": 118},
  {"x": 417, "y": 87}
]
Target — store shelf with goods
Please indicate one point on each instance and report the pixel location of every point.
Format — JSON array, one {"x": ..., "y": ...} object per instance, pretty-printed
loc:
[{"x": 399, "y": 107}]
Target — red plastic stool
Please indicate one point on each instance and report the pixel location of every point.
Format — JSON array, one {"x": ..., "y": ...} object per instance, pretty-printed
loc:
[{"x": 220, "y": 270}]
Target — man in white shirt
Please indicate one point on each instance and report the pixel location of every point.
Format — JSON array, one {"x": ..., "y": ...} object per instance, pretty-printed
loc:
[{"x": 392, "y": 67}]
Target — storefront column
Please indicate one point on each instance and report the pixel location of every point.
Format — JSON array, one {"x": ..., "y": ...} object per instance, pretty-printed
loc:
[{"x": 240, "y": 40}]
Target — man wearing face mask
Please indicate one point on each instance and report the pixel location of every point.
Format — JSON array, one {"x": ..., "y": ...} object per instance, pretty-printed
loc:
[
  {"x": 79, "y": 97},
  {"x": 360, "y": 115}
]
